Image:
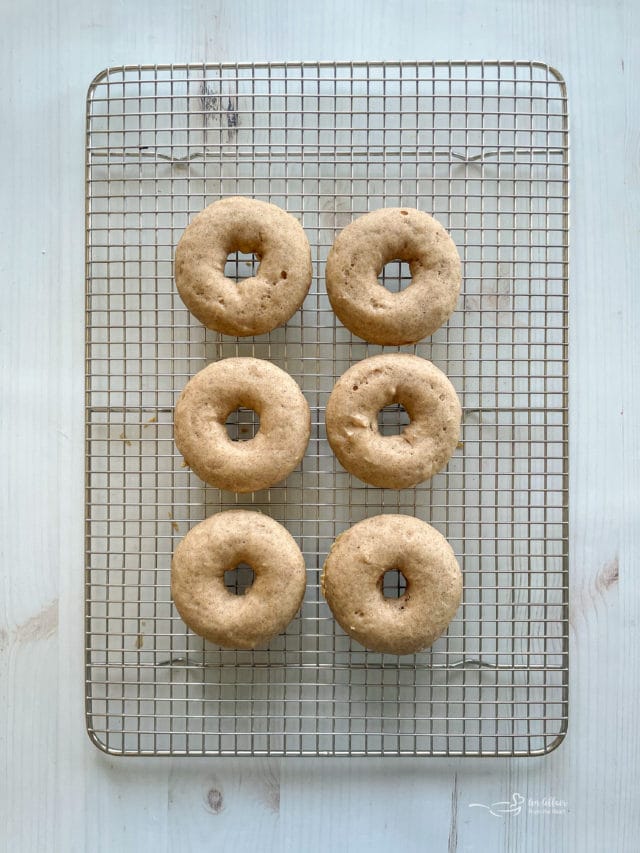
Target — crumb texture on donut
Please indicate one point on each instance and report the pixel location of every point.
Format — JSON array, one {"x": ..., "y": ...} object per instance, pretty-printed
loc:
[
  {"x": 359, "y": 253},
  {"x": 255, "y": 305},
  {"x": 423, "y": 447},
  {"x": 353, "y": 576},
  {"x": 219, "y": 544},
  {"x": 218, "y": 390}
]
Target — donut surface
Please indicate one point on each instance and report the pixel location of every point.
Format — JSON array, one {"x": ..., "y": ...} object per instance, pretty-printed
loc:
[
  {"x": 254, "y": 305},
  {"x": 422, "y": 448},
  {"x": 352, "y": 583},
  {"x": 219, "y": 544},
  {"x": 359, "y": 253},
  {"x": 207, "y": 401}
]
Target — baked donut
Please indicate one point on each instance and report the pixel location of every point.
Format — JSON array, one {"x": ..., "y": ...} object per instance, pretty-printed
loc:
[
  {"x": 422, "y": 448},
  {"x": 356, "y": 260},
  {"x": 352, "y": 583},
  {"x": 207, "y": 401},
  {"x": 254, "y": 305},
  {"x": 219, "y": 544}
]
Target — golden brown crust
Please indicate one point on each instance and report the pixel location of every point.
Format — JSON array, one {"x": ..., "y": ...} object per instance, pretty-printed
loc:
[
  {"x": 219, "y": 544},
  {"x": 357, "y": 258},
  {"x": 425, "y": 444},
  {"x": 254, "y": 305},
  {"x": 352, "y": 583},
  {"x": 209, "y": 398}
]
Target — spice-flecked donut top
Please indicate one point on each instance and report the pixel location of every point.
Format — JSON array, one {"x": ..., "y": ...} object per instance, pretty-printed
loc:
[
  {"x": 207, "y": 401},
  {"x": 255, "y": 305},
  {"x": 219, "y": 544},
  {"x": 359, "y": 253},
  {"x": 352, "y": 583},
  {"x": 422, "y": 448}
]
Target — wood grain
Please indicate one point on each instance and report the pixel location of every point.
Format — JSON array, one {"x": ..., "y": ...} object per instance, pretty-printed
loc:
[{"x": 56, "y": 791}]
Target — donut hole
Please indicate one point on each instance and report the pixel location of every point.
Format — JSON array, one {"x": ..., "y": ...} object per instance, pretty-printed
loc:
[
  {"x": 242, "y": 424},
  {"x": 393, "y": 584},
  {"x": 395, "y": 275},
  {"x": 239, "y": 580},
  {"x": 241, "y": 265},
  {"x": 393, "y": 419}
]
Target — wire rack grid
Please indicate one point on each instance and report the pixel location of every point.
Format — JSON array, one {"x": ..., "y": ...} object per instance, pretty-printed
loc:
[{"x": 483, "y": 146}]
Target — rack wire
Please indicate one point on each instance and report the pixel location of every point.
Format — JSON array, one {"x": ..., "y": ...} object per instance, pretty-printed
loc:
[{"x": 483, "y": 146}]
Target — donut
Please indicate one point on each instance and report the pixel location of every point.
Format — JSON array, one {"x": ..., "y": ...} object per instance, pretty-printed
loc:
[
  {"x": 352, "y": 583},
  {"x": 357, "y": 258},
  {"x": 422, "y": 448},
  {"x": 254, "y": 305},
  {"x": 219, "y": 544},
  {"x": 219, "y": 389}
]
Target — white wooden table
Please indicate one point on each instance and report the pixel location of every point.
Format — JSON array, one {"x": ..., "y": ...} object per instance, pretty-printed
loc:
[{"x": 57, "y": 792}]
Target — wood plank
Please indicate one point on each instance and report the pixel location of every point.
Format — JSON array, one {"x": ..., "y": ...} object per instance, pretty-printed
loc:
[{"x": 232, "y": 805}]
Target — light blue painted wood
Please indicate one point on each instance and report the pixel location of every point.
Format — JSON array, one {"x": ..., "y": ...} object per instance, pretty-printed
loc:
[{"x": 58, "y": 793}]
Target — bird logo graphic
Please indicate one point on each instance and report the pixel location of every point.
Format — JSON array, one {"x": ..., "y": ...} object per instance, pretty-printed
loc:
[{"x": 502, "y": 808}]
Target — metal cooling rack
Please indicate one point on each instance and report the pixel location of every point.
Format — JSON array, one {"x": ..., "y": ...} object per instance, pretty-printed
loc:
[{"x": 484, "y": 147}]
